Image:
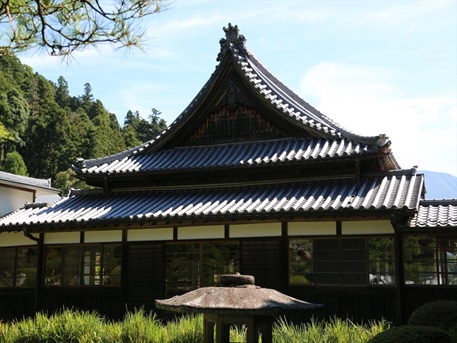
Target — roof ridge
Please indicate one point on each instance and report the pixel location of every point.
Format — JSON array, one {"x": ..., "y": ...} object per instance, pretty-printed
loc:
[{"x": 428, "y": 202}]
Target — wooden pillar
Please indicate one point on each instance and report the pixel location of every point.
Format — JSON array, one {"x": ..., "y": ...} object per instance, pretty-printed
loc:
[
  {"x": 39, "y": 274},
  {"x": 399, "y": 279},
  {"x": 284, "y": 257},
  {"x": 125, "y": 270}
]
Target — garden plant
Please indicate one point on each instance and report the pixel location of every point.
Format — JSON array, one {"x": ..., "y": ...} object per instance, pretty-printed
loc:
[{"x": 75, "y": 326}]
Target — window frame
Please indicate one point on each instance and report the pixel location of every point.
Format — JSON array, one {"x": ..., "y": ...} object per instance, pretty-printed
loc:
[
  {"x": 16, "y": 267},
  {"x": 339, "y": 252},
  {"x": 202, "y": 273},
  {"x": 81, "y": 279},
  {"x": 440, "y": 261}
]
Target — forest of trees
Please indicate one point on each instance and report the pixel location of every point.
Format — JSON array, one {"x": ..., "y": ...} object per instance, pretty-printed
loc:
[{"x": 44, "y": 129}]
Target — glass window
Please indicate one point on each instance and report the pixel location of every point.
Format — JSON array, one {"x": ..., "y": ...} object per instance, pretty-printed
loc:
[
  {"x": 381, "y": 259},
  {"x": 18, "y": 266},
  {"x": 71, "y": 266},
  {"x": 341, "y": 261},
  {"x": 92, "y": 265},
  {"x": 53, "y": 267},
  {"x": 111, "y": 265},
  {"x": 430, "y": 260},
  {"x": 194, "y": 265},
  {"x": 7, "y": 262},
  {"x": 448, "y": 257},
  {"x": 301, "y": 262},
  {"x": 420, "y": 260}
]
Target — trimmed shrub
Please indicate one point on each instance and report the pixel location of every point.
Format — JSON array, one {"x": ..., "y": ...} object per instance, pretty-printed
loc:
[
  {"x": 412, "y": 334},
  {"x": 441, "y": 314}
]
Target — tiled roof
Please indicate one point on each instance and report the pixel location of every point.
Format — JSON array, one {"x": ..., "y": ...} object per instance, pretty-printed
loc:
[
  {"x": 266, "y": 85},
  {"x": 371, "y": 195},
  {"x": 290, "y": 104},
  {"x": 234, "y": 155},
  {"x": 290, "y": 107},
  {"x": 25, "y": 180},
  {"x": 436, "y": 213}
]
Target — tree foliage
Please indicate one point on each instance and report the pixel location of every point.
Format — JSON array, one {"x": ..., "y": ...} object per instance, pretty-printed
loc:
[
  {"x": 140, "y": 130},
  {"x": 66, "y": 180},
  {"x": 44, "y": 129},
  {"x": 5, "y": 136},
  {"x": 14, "y": 163},
  {"x": 63, "y": 26}
]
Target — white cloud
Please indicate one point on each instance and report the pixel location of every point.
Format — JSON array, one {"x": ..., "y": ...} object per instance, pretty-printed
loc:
[
  {"x": 180, "y": 28},
  {"x": 138, "y": 97},
  {"x": 363, "y": 99},
  {"x": 404, "y": 17}
]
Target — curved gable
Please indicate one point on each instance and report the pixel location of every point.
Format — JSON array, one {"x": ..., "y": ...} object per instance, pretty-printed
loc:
[{"x": 242, "y": 101}]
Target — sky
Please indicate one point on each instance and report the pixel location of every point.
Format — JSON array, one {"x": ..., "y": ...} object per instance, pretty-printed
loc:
[{"x": 372, "y": 66}]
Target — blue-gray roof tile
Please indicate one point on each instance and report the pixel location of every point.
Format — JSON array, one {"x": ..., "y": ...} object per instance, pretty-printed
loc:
[
  {"x": 436, "y": 213},
  {"x": 233, "y": 155},
  {"x": 374, "y": 194}
]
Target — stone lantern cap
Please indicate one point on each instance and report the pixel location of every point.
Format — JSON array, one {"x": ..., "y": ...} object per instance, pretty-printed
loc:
[{"x": 235, "y": 294}]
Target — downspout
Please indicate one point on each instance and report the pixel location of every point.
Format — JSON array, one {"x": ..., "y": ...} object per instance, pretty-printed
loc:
[
  {"x": 39, "y": 274},
  {"x": 124, "y": 270},
  {"x": 39, "y": 265}
]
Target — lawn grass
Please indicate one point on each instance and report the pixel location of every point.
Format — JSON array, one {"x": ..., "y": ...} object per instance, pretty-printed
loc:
[{"x": 74, "y": 326}]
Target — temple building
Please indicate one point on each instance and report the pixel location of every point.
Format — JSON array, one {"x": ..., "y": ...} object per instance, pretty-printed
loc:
[{"x": 249, "y": 178}]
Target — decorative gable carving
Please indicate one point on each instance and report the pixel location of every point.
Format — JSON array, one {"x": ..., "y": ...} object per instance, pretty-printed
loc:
[
  {"x": 239, "y": 124},
  {"x": 232, "y": 36},
  {"x": 233, "y": 98}
]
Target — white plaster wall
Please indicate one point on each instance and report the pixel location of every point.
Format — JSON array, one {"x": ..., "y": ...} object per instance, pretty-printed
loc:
[
  {"x": 366, "y": 227},
  {"x": 255, "y": 230},
  {"x": 9, "y": 239},
  {"x": 165, "y": 234},
  {"x": 61, "y": 237},
  {"x": 103, "y": 236},
  {"x": 13, "y": 199},
  {"x": 311, "y": 228},
  {"x": 201, "y": 232}
]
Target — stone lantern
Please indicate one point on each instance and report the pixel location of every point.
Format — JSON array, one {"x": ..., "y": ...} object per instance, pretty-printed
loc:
[{"x": 236, "y": 300}]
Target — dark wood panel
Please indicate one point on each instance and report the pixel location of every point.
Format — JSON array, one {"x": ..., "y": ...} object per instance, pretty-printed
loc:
[
  {"x": 357, "y": 303},
  {"x": 146, "y": 274},
  {"x": 105, "y": 300},
  {"x": 17, "y": 303},
  {"x": 261, "y": 258}
]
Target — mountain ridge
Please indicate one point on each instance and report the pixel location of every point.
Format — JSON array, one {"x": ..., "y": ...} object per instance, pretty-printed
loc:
[{"x": 439, "y": 185}]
